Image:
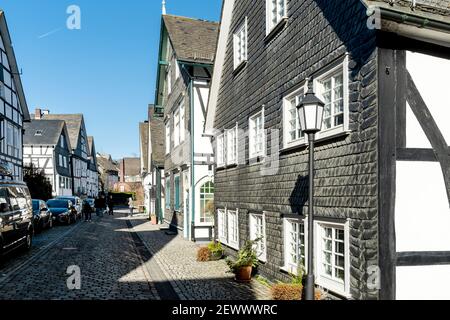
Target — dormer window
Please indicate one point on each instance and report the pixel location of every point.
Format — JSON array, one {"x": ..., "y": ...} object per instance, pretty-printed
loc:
[{"x": 38, "y": 133}]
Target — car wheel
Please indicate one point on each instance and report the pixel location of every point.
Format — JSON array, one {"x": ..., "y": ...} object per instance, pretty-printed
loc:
[{"x": 28, "y": 241}]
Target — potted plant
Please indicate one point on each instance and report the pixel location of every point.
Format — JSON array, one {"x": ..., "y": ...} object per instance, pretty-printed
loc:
[
  {"x": 154, "y": 219},
  {"x": 216, "y": 250},
  {"x": 247, "y": 259},
  {"x": 203, "y": 254}
]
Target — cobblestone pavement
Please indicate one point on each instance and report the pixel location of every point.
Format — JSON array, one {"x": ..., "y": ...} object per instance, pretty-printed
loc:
[
  {"x": 193, "y": 280},
  {"x": 111, "y": 267}
]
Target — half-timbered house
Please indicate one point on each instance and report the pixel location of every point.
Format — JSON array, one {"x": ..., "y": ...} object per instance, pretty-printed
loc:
[
  {"x": 47, "y": 147},
  {"x": 80, "y": 157},
  {"x": 185, "y": 64},
  {"x": 382, "y": 175},
  {"x": 13, "y": 109}
]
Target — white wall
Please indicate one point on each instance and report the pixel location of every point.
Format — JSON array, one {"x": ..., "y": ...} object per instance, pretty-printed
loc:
[{"x": 422, "y": 213}]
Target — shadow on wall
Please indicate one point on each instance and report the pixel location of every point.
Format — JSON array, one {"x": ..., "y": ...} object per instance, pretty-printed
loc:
[
  {"x": 299, "y": 195},
  {"x": 349, "y": 20}
]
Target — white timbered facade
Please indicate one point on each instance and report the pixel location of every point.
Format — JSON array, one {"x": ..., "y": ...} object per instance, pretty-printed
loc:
[{"x": 13, "y": 109}]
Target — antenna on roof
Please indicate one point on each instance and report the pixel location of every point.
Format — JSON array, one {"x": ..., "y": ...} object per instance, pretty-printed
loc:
[{"x": 163, "y": 7}]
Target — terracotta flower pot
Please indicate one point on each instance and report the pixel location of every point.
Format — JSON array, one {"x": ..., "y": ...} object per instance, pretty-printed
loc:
[
  {"x": 154, "y": 220},
  {"x": 244, "y": 274}
]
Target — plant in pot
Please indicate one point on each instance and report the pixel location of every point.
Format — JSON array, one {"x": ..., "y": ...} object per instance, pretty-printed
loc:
[
  {"x": 216, "y": 250},
  {"x": 247, "y": 259}
]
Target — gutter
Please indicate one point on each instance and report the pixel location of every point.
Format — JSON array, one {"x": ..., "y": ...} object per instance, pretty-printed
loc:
[{"x": 415, "y": 27}]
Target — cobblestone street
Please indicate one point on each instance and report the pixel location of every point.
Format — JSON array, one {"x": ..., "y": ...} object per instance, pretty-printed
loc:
[{"x": 119, "y": 259}]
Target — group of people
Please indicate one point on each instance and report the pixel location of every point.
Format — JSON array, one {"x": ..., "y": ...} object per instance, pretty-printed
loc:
[{"x": 101, "y": 205}]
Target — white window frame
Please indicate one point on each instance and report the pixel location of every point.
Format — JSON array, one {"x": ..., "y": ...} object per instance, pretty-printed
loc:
[
  {"x": 182, "y": 122},
  {"x": 253, "y": 153},
  {"x": 270, "y": 25},
  {"x": 233, "y": 242},
  {"x": 232, "y": 145},
  {"x": 168, "y": 138},
  {"x": 336, "y": 285},
  {"x": 343, "y": 68},
  {"x": 260, "y": 246},
  {"x": 287, "y": 229},
  {"x": 221, "y": 150},
  {"x": 222, "y": 225},
  {"x": 177, "y": 70},
  {"x": 242, "y": 31},
  {"x": 176, "y": 128},
  {"x": 169, "y": 80},
  {"x": 62, "y": 142},
  {"x": 287, "y": 106}
]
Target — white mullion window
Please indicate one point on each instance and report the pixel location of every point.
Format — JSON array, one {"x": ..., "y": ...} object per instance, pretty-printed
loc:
[
  {"x": 333, "y": 257},
  {"x": 294, "y": 245},
  {"x": 257, "y": 135},
  {"x": 332, "y": 89},
  {"x": 168, "y": 138},
  {"x": 276, "y": 11},
  {"x": 223, "y": 226},
  {"x": 240, "y": 44},
  {"x": 233, "y": 229},
  {"x": 258, "y": 231},
  {"x": 221, "y": 150},
  {"x": 292, "y": 132},
  {"x": 182, "y": 122},
  {"x": 176, "y": 128},
  {"x": 231, "y": 143}
]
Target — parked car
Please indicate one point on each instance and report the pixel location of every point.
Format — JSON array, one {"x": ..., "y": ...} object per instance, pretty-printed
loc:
[
  {"x": 63, "y": 211},
  {"x": 42, "y": 217},
  {"x": 76, "y": 202},
  {"x": 16, "y": 217},
  {"x": 91, "y": 203}
]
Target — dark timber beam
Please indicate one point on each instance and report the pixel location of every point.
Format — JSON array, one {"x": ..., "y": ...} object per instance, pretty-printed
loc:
[
  {"x": 408, "y": 259},
  {"x": 387, "y": 106},
  {"x": 431, "y": 130}
]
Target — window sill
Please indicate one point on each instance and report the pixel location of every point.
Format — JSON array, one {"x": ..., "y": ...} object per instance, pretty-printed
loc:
[
  {"x": 276, "y": 29},
  {"x": 240, "y": 67},
  {"x": 304, "y": 143}
]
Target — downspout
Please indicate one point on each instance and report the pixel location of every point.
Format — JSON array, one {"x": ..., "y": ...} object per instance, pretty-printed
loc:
[
  {"x": 54, "y": 172},
  {"x": 72, "y": 174},
  {"x": 191, "y": 98}
]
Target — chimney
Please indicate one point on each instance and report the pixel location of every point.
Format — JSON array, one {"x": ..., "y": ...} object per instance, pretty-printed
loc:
[
  {"x": 38, "y": 114},
  {"x": 151, "y": 111}
]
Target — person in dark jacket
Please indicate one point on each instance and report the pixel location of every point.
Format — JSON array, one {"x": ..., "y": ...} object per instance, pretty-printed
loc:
[
  {"x": 87, "y": 211},
  {"x": 110, "y": 205}
]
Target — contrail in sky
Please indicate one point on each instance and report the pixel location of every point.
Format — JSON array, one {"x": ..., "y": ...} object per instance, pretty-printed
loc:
[{"x": 49, "y": 33}]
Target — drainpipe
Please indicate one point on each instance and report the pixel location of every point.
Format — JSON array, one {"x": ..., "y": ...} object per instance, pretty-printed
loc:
[
  {"x": 191, "y": 98},
  {"x": 72, "y": 174}
]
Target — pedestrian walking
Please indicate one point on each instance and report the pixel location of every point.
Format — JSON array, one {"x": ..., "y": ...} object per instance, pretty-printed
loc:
[
  {"x": 131, "y": 205},
  {"x": 111, "y": 205},
  {"x": 87, "y": 211},
  {"x": 97, "y": 206}
]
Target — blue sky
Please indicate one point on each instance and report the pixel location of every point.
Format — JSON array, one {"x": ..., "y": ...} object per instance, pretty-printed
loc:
[{"x": 106, "y": 70}]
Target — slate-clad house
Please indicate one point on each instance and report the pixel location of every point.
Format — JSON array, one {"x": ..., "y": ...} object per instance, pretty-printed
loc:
[
  {"x": 152, "y": 157},
  {"x": 13, "y": 109},
  {"x": 382, "y": 159},
  {"x": 47, "y": 147},
  {"x": 93, "y": 181},
  {"x": 108, "y": 170},
  {"x": 80, "y": 158},
  {"x": 186, "y": 57}
]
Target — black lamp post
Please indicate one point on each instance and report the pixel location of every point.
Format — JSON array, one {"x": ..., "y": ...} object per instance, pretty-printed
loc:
[{"x": 310, "y": 111}]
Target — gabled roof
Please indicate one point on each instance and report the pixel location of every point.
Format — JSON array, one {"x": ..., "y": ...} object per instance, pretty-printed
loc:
[
  {"x": 13, "y": 65},
  {"x": 106, "y": 164},
  {"x": 44, "y": 132},
  {"x": 74, "y": 123},
  {"x": 192, "y": 40},
  {"x": 143, "y": 138}
]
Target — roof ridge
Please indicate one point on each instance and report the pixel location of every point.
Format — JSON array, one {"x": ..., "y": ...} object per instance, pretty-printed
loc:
[{"x": 189, "y": 18}]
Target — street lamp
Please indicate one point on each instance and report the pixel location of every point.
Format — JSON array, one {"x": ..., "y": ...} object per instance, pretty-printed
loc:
[{"x": 310, "y": 112}]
